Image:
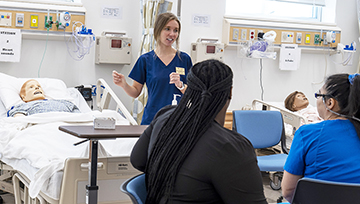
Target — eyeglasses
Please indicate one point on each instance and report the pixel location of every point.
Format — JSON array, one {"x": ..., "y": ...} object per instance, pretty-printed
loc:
[{"x": 317, "y": 95}]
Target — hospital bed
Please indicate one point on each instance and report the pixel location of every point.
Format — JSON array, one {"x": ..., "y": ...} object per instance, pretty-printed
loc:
[{"x": 40, "y": 164}]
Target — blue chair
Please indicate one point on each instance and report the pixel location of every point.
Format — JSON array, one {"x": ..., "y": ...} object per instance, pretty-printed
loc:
[
  {"x": 315, "y": 191},
  {"x": 264, "y": 129},
  {"x": 135, "y": 188}
]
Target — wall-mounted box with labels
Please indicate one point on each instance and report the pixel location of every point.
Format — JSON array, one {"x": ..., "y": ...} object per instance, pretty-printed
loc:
[{"x": 305, "y": 35}]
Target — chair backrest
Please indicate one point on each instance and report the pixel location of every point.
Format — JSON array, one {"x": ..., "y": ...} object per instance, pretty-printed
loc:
[
  {"x": 262, "y": 128},
  {"x": 135, "y": 188},
  {"x": 314, "y": 191}
]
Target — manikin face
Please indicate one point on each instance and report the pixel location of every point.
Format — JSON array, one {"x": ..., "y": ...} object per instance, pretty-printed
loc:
[
  {"x": 170, "y": 33},
  {"x": 300, "y": 102},
  {"x": 32, "y": 91}
]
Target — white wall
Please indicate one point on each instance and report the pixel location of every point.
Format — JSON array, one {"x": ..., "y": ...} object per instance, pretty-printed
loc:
[
  {"x": 277, "y": 84},
  {"x": 58, "y": 64}
]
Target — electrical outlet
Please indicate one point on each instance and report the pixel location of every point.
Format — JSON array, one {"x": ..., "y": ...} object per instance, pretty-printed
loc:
[
  {"x": 243, "y": 34},
  {"x": 252, "y": 35},
  {"x": 235, "y": 35}
]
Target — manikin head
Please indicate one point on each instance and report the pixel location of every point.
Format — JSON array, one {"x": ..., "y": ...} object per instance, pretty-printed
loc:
[
  {"x": 296, "y": 101},
  {"x": 31, "y": 90}
]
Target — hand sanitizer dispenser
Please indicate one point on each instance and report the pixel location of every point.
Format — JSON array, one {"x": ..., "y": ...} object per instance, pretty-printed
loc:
[{"x": 174, "y": 101}]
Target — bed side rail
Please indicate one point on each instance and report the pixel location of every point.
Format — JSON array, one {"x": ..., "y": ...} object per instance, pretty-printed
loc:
[
  {"x": 103, "y": 100},
  {"x": 6, "y": 174},
  {"x": 292, "y": 118},
  {"x": 21, "y": 192}
]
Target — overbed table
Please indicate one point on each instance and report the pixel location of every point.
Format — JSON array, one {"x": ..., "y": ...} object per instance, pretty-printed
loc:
[{"x": 88, "y": 132}]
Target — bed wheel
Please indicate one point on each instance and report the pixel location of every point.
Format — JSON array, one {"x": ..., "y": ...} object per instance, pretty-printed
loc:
[{"x": 275, "y": 185}]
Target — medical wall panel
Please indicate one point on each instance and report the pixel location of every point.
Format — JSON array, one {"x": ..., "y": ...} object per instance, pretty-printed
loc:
[
  {"x": 306, "y": 35},
  {"x": 35, "y": 17}
]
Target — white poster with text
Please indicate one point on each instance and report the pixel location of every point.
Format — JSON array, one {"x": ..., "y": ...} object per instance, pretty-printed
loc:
[{"x": 10, "y": 45}]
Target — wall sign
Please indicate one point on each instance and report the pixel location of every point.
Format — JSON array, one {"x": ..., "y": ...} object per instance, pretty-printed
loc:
[{"x": 10, "y": 45}]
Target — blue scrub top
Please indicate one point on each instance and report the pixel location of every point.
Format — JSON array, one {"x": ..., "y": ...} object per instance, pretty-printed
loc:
[
  {"x": 328, "y": 150},
  {"x": 151, "y": 70}
]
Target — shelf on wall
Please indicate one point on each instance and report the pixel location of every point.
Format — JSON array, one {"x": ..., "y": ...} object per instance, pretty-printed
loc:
[
  {"x": 43, "y": 35},
  {"x": 276, "y": 48}
]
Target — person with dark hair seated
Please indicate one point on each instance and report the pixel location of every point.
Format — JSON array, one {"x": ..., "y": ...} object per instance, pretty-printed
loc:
[
  {"x": 33, "y": 96},
  {"x": 328, "y": 150},
  {"x": 186, "y": 153}
]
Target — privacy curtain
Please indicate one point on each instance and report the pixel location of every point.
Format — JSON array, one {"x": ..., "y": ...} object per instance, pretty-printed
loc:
[{"x": 149, "y": 9}]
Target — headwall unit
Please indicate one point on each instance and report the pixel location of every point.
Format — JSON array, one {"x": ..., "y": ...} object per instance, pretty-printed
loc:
[
  {"x": 39, "y": 17},
  {"x": 305, "y": 34}
]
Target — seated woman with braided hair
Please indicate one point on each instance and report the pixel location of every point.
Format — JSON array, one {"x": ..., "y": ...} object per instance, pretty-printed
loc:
[
  {"x": 33, "y": 96},
  {"x": 186, "y": 153}
]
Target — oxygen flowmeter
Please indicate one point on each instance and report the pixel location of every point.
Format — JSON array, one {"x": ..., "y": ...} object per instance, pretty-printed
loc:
[
  {"x": 64, "y": 20},
  {"x": 206, "y": 48}
]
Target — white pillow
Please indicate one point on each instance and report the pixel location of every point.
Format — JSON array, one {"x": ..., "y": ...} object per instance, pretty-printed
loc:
[{"x": 10, "y": 89}]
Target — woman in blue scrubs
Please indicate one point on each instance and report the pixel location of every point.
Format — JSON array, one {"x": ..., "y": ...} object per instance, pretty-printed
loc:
[
  {"x": 328, "y": 150},
  {"x": 164, "y": 69}
]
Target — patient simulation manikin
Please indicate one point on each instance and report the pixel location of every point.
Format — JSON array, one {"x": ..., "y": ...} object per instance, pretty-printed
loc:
[
  {"x": 297, "y": 102},
  {"x": 33, "y": 96}
]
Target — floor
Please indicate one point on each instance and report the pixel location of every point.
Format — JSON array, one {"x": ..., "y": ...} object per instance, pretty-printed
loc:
[
  {"x": 270, "y": 194},
  {"x": 7, "y": 198}
]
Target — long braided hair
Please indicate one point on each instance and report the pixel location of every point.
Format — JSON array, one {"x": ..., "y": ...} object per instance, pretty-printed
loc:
[{"x": 209, "y": 87}]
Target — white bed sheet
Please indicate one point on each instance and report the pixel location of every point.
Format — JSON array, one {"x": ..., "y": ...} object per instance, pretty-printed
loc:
[{"x": 36, "y": 147}]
